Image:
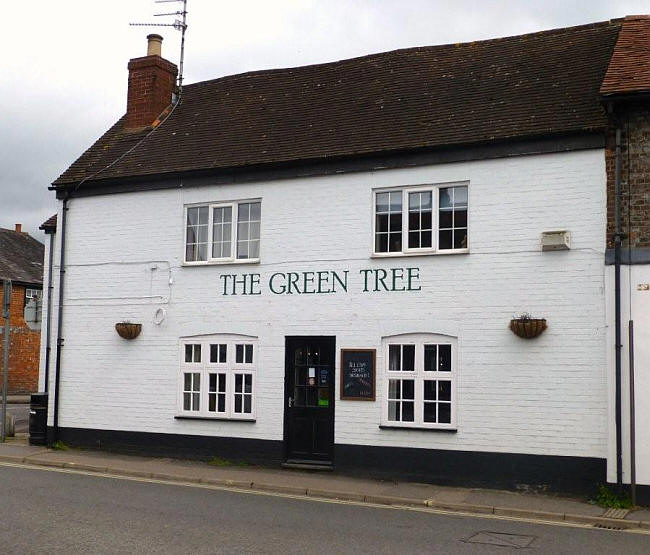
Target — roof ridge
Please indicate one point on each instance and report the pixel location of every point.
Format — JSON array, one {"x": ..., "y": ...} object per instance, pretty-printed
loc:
[{"x": 354, "y": 59}]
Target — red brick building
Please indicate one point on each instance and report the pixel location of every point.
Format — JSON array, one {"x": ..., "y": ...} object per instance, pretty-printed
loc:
[{"x": 21, "y": 261}]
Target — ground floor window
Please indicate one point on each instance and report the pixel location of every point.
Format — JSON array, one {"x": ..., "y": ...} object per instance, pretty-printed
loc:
[
  {"x": 419, "y": 381},
  {"x": 217, "y": 377}
]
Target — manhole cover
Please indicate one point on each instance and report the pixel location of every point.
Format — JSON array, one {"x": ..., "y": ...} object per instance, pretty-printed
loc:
[{"x": 499, "y": 538}]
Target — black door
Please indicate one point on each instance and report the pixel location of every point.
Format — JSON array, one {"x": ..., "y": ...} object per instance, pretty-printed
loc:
[{"x": 309, "y": 399}]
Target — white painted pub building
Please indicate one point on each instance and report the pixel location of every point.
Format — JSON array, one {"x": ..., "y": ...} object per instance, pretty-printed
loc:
[{"x": 333, "y": 265}]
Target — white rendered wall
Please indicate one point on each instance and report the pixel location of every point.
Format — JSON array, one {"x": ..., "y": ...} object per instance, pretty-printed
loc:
[
  {"x": 545, "y": 396},
  {"x": 633, "y": 293}
]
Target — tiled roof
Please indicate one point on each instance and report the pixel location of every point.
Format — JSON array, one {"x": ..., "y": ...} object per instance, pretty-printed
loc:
[
  {"x": 21, "y": 257},
  {"x": 49, "y": 224},
  {"x": 629, "y": 68},
  {"x": 533, "y": 85}
]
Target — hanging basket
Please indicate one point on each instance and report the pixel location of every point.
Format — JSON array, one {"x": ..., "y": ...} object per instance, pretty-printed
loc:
[
  {"x": 127, "y": 330},
  {"x": 526, "y": 327}
]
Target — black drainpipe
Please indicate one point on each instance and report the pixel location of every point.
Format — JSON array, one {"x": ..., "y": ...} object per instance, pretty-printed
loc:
[
  {"x": 48, "y": 322},
  {"x": 618, "y": 238},
  {"x": 59, "y": 338}
]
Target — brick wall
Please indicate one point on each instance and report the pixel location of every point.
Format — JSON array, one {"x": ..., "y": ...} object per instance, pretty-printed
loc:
[
  {"x": 635, "y": 177},
  {"x": 24, "y": 347},
  {"x": 151, "y": 83}
]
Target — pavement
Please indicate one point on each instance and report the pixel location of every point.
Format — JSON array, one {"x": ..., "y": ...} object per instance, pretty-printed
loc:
[{"x": 330, "y": 485}]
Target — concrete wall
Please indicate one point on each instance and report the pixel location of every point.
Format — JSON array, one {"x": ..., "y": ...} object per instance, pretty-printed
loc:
[{"x": 545, "y": 396}]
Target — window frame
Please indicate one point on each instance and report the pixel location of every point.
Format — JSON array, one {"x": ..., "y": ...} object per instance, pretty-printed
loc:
[
  {"x": 419, "y": 375},
  {"x": 230, "y": 368},
  {"x": 232, "y": 259},
  {"x": 434, "y": 188}
]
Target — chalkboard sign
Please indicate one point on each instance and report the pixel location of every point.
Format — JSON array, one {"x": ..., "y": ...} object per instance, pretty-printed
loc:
[{"x": 358, "y": 374}]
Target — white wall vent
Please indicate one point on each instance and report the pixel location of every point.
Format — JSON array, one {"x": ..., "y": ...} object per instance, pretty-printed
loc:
[{"x": 555, "y": 241}]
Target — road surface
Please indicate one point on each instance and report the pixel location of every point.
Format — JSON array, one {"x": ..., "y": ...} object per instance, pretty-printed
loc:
[{"x": 54, "y": 511}]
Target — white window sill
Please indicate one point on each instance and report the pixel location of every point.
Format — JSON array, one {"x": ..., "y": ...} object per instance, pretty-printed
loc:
[
  {"x": 218, "y": 418},
  {"x": 417, "y": 253},
  {"x": 222, "y": 262},
  {"x": 395, "y": 426}
]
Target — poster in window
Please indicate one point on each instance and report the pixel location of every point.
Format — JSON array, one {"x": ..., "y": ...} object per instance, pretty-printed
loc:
[{"x": 358, "y": 374}]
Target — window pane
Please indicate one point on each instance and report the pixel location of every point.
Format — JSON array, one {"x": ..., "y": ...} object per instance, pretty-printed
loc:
[
  {"x": 202, "y": 253},
  {"x": 222, "y": 383},
  {"x": 238, "y": 383},
  {"x": 414, "y": 220},
  {"x": 444, "y": 390},
  {"x": 408, "y": 413},
  {"x": 187, "y": 382},
  {"x": 393, "y": 411},
  {"x": 381, "y": 241},
  {"x": 242, "y": 231},
  {"x": 256, "y": 211},
  {"x": 196, "y": 382},
  {"x": 242, "y": 249},
  {"x": 408, "y": 389},
  {"x": 249, "y": 354},
  {"x": 381, "y": 223},
  {"x": 444, "y": 240},
  {"x": 212, "y": 403},
  {"x": 197, "y": 353},
  {"x": 429, "y": 412},
  {"x": 396, "y": 201},
  {"x": 394, "y": 357},
  {"x": 460, "y": 218},
  {"x": 425, "y": 240},
  {"x": 254, "y": 249},
  {"x": 425, "y": 200},
  {"x": 430, "y": 358},
  {"x": 188, "y": 354},
  {"x": 213, "y": 382},
  {"x": 414, "y": 239},
  {"x": 247, "y": 403},
  {"x": 425, "y": 219},
  {"x": 395, "y": 222},
  {"x": 221, "y": 405},
  {"x": 460, "y": 239},
  {"x": 187, "y": 401},
  {"x": 248, "y": 383},
  {"x": 222, "y": 352},
  {"x": 254, "y": 231},
  {"x": 239, "y": 354},
  {"x": 444, "y": 413},
  {"x": 429, "y": 390},
  {"x": 444, "y": 358},
  {"x": 394, "y": 389},
  {"x": 446, "y": 198},
  {"x": 195, "y": 401},
  {"x": 243, "y": 212},
  {"x": 395, "y": 242},
  {"x": 382, "y": 202},
  {"x": 408, "y": 362},
  {"x": 238, "y": 403},
  {"x": 414, "y": 201},
  {"x": 214, "y": 353}
]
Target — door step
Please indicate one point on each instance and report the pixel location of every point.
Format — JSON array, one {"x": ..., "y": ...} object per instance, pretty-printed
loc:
[{"x": 308, "y": 465}]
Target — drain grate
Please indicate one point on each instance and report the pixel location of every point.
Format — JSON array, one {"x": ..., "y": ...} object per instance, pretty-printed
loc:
[
  {"x": 610, "y": 527},
  {"x": 616, "y": 513},
  {"x": 501, "y": 539}
]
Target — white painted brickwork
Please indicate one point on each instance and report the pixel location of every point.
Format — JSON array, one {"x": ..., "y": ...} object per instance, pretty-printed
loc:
[{"x": 546, "y": 396}]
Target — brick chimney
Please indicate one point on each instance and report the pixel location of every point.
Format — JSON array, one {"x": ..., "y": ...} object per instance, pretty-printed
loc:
[
  {"x": 19, "y": 228},
  {"x": 152, "y": 80}
]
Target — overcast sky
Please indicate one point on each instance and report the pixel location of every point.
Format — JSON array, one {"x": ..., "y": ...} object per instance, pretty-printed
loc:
[{"x": 63, "y": 75}]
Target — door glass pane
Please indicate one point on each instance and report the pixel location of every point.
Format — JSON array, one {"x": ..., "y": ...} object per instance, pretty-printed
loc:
[
  {"x": 430, "y": 358},
  {"x": 408, "y": 362},
  {"x": 394, "y": 362},
  {"x": 444, "y": 358}
]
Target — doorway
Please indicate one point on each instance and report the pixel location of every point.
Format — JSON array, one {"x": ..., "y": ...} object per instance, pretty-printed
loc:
[{"x": 309, "y": 399}]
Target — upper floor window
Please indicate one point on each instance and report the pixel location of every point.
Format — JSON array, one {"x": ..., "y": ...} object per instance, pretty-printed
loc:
[
  {"x": 421, "y": 219},
  {"x": 223, "y": 232}
]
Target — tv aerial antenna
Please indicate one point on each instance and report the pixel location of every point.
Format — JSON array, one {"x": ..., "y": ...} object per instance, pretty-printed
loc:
[{"x": 180, "y": 24}]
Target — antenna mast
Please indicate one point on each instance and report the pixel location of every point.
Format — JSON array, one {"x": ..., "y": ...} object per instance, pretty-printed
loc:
[{"x": 179, "y": 25}]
